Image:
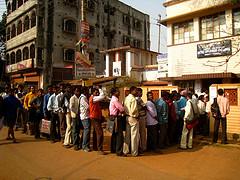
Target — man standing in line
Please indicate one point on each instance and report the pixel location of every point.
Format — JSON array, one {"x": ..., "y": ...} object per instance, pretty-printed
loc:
[
  {"x": 52, "y": 107},
  {"x": 187, "y": 135},
  {"x": 37, "y": 104},
  {"x": 116, "y": 110},
  {"x": 45, "y": 102},
  {"x": 84, "y": 115},
  {"x": 152, "y": 123},
  {"x": 65, "y": 104},
  {"x": 74, "y": 110},
  {"x": 61, "y": 114},
  {"x": 162, "y": 114},
  {"x": 224, "y": 107},
  {"x": 142, "y": 116},
  {"x": 27, "y": 105},
  {"x": 96, "y": 118},
  {"x": 132, "y": 126}
]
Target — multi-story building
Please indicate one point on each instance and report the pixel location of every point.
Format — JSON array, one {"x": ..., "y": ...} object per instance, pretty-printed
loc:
[
  {"x": 203, "y": 42},
  {"x": 42, "y": 34}
]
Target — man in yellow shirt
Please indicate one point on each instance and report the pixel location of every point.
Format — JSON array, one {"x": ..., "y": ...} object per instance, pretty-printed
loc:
[{"x": 27, "y": 105}]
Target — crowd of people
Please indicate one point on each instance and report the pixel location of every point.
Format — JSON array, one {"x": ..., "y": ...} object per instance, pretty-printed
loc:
[{"x": 137, "y": 126}]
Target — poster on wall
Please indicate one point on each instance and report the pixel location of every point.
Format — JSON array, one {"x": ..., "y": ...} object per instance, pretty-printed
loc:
[
  {"x": 213, "y": 49},
  {"x": 117, "y": 68},
  {"x": 83, "y": 72}
]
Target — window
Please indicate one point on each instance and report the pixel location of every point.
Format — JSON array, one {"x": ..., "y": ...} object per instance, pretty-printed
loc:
[
  {"x": 183, "y": 32},
  {"x": 12, "y": 58},
  {"x": 19, "y": 27},
  {"x": 213, "y": 26},
  {"x": 91, "y": 5},
  {"x": 69, "y": 55},
  {"x": 14, "y": 5},
  {"x": 32, "y": 51},
  {"x": 236, "y": 21},
  {"x": 33, "y": 19},
  {"x": 13, "y": 32},
  {"x": 7, "y": 59},
  {"x": 9, "y": 8},
  {"x": 126, "y": 40},
  {"x": 18, "y": 56},
  {"x": 70, "y": 2},
  {"x": 137, "y": 24},
  {"x": 25, "y": 53},
  {"x": 91, "y": 31},
  {"x": 20, "y": 2},
  {"x": 8, "y": 33},
  {"x": 126, "y": 19},
  {"x": 137, "y": 43},
  {"x": 70, "y": 26},
  {"x": 26, "y": 23}
]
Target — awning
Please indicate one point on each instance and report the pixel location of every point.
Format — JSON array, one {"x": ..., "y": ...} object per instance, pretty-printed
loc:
[{"x": 200, "y": 76}]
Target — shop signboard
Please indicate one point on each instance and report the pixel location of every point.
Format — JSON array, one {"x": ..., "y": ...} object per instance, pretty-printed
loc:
[
  {"x": 26, "y": 64},
  {"x": 213, "y": 49},
  {"x": 85, "y": 72}
]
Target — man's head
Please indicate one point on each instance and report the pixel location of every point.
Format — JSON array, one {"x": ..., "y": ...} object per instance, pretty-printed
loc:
[
  {"x": 7, "y": 88},
  {"x": 61, "y": 87},
  {"x": 220, "y": 92},
  {"x": 115, "y": 92},
  {"x": 95, "y": 92},
  {"x": 84, "y": 90},
  {"x": 189, "y": 95},
  {"x": 40, "y": 92},
  {"x": 32, "y": 89},
  {"x": 20, "y": 87},
  {"x": 77, "y": 91},
  {"x": 164, "y": 95},
  {"x": 55, "y": 89},
  {"x": 50, "y": 89},
  {"x": 150, "y": 96},
  {"x": 68, "y": 88},
  {"x": 139, "y": 92},
  {"x": 11, "y": 92},
  {"x": 133, "y": 90}
]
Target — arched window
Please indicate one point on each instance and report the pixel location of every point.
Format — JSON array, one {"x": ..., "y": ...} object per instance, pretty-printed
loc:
[
  {"x": 14, "y": 5},
  {"x": 18, "y": 56},
  {"x": 20, "y": 2},
  {"x": 13, "y": 31},
  {"x": 32, "y": 51},
  {"x": 7, "y": 59},
  {"x": 12, "y": 61},
  {"x": 19, "y": 27},
  {"x": 33, "y": 19},
  {"x": 26, "y": 23},
  {"x": 70, "y": 26},
  {"x": 69, "y": 55},
  {"x": 8, "y": 33},
  {"x": 9, "y": 8},
  {"x": 25, "y": 53}
]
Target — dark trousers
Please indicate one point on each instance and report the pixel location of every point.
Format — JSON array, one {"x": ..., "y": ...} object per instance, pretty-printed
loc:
[
  {"x": 152, "y": 133},
  {"x": 117, "y": 137},
  {"x": 20, "y": 118},
  {"x": 179, "y": 128},
  {"x": 224, "y": 129},
  {"x": 86, "y": 133},
  {"x": 97, "y": 135},
  {"x": 55, "y": 127},
  {"x": 30, "y": 120},
  {"x": 36, "y": 124},
  {"x": 163, "y": 137},
  {"x": 76, "y": 131},
  {"x": 172, "y": 131}
]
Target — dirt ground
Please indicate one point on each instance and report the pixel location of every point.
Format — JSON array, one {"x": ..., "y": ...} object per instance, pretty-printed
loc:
[{"x": 41, "y": 160}]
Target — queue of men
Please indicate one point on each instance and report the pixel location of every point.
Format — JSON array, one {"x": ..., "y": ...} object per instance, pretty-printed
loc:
[{"x": 149, "y": 126}]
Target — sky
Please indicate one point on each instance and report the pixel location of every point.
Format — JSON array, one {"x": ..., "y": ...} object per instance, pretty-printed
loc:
[{"x": 151, "y": 7}]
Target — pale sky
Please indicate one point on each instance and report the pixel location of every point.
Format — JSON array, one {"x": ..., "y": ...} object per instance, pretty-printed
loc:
[{"x": 151, "y": 7}]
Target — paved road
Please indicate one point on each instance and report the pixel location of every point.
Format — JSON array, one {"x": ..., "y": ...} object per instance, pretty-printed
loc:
[{"x": 31, "y": 159}]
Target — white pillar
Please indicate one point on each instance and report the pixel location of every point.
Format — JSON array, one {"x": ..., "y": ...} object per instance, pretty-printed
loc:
[
  {"x": 128, "y": 63},
  {"x": 107, "y": 65}
]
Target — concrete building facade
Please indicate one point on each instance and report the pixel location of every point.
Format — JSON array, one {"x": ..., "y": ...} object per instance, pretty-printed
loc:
[
  {"x": 42, "y": 34},
  {"x": 203, "y": 42}
]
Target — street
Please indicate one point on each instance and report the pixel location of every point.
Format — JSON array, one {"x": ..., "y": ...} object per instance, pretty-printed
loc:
[{"x": 39, "y": 159}]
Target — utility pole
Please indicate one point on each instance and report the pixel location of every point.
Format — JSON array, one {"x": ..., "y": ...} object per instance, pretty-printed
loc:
[{"x": 159, "y": 32}]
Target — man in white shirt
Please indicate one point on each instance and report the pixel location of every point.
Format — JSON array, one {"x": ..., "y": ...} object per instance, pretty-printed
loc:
[
  {"x": 152, "y": 123},
  {"x": 52, "y": 107},
  {"x": 84, "y": 116}
]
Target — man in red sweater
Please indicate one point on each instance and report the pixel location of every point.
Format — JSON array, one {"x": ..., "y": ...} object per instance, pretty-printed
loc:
[{"x": 96, "y": 116}]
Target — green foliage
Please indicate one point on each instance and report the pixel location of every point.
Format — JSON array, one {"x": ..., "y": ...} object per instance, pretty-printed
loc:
[{"x": 235, "y": 1}]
